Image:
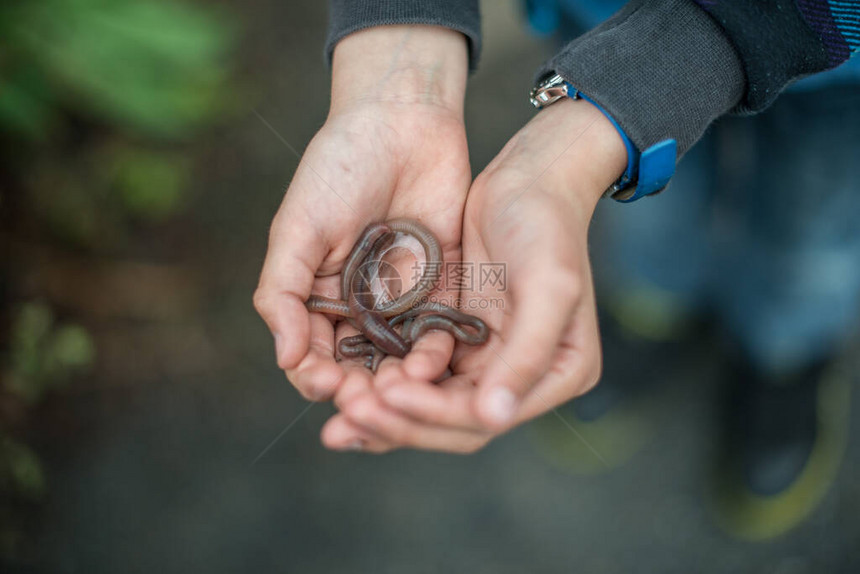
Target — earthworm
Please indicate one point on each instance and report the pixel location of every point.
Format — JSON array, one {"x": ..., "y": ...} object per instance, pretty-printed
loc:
[{"x": 377, "y": 321}]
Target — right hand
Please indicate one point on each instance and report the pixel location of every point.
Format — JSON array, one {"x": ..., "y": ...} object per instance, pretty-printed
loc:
[
  {"x": 393, "y": 145},
  {"x": 530, "y": 211}
]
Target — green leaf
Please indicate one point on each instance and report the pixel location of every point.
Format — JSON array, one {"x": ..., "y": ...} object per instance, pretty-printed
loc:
[
  {"x": 151, "y": 185},
  {"x": 154, "y": 67},
  {"x": 30, "y": 330},
  {"x": 23, "y": 468},
  {"x": 42, "y": 356},
  {"x": 71, "y": 349},
  {"x": 23, "y": 112}
]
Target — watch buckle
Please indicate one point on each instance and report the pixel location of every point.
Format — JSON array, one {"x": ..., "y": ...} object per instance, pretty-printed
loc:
[{"x": 549, "y": 91}]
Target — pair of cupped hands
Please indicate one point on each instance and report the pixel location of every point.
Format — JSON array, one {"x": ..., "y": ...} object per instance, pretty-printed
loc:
[{"x": 394, "y": 146}]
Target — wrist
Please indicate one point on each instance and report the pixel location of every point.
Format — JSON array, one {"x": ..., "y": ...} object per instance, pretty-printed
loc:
[
  {"x": 591, "y": 154},
  {"x": 401, "y": 65}
]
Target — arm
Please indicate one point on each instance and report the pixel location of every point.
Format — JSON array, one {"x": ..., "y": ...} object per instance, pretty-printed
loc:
[
  {"x": 393, "y": 145},
  {"x": 348, "y": 16},
  {"x": 668, "y": 68},
  {"x": 780, "y": 41},
  {"x": 663, "y": 70}
]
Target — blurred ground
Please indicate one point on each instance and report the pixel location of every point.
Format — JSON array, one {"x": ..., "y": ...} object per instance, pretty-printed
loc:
[{"x": 150, "y": 467}]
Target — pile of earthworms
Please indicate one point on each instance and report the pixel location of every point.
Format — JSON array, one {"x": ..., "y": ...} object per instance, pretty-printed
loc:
[{"x": 391, "y": 327}]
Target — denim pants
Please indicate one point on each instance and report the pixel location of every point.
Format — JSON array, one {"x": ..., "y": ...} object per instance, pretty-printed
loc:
[{"x": 760, "y": 225}]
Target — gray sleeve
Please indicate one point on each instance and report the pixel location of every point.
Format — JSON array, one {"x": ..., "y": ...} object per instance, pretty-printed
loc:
[
  {"x": 348, "y": 16},
  {"x": 662, "y": 68}
]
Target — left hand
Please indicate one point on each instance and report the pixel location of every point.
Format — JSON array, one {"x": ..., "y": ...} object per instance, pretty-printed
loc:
[
  {"x": 530, "y": 210},
  {"x": 393, "y": 145}
]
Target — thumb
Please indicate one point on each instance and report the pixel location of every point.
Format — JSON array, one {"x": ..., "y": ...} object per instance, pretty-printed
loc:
[
  {"x": 544, "y": 300},
  {"x": 293, "y": 257}
]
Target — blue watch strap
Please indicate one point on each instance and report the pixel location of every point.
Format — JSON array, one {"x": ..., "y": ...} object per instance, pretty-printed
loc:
[
  {"x": 632, "y": 153},
  {"x": 647, "y": 172},
  {"x": 656, "y": 168}
]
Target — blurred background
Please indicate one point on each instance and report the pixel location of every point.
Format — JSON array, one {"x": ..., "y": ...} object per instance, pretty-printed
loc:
[{"x": 143, "y": 157}]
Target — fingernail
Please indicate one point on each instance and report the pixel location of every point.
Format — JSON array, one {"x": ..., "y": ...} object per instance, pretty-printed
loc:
[
  {"x": 500, "y": 405},
  {"x": 355, "y": 446},
  {"x": 278, "y": 343}
]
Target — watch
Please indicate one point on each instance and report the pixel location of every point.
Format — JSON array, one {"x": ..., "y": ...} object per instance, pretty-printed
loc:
[{"x": 647, "y": 172}]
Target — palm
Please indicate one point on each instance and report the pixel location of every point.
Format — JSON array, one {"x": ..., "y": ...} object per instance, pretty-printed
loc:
[
  {"x": 372, "y": 163},
  {"x": 411, "y": 163},
  {"x": 528, "y": 238},
  {"x": 528, "y": 214}
]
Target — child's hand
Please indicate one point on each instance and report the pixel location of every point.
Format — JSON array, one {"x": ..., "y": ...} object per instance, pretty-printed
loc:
[
  {"x": 529, "y": 210},
  {"x": 393, "y": 145}
]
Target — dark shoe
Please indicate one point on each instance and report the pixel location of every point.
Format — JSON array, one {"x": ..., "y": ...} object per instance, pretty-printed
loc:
[{"x": 785, "y": 437}]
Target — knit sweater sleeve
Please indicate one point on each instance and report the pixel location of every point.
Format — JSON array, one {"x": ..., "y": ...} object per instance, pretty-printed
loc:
[
  {"x": 668, "y": 68},
  {"x": 348, "y": 16},
  {"x": 662, "y": 68},
  {"x": 780, "y": 41}
]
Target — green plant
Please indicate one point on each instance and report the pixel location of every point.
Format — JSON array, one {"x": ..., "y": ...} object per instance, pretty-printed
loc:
[
  {"x": 154, "y": 68},
  {"x": 104, "y": 91},
  {"x": 43, "y": 355}
]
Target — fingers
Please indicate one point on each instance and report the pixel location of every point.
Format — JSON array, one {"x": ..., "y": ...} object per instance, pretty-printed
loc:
[
  {"x": 367, "y": 422},
  {"x": 392, "y": 410},
  {"x": 318, "y": 376},
  {"x": 293, "y": 257},
  {"x": 544, "y": 299},
  {"x": 430, "y": 356},
  {"x": 370, "y": 414},
  {"x": 576, "y": 367},
  {"x": 449, "y": 405},
  {"x": 304, "y": 342},
  {"x": 339, "y": 433},
  {"x": 575, "y": 370}
]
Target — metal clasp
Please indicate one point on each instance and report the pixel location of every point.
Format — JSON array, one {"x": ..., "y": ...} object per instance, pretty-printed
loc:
[{"x": 550, "y": 90}]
